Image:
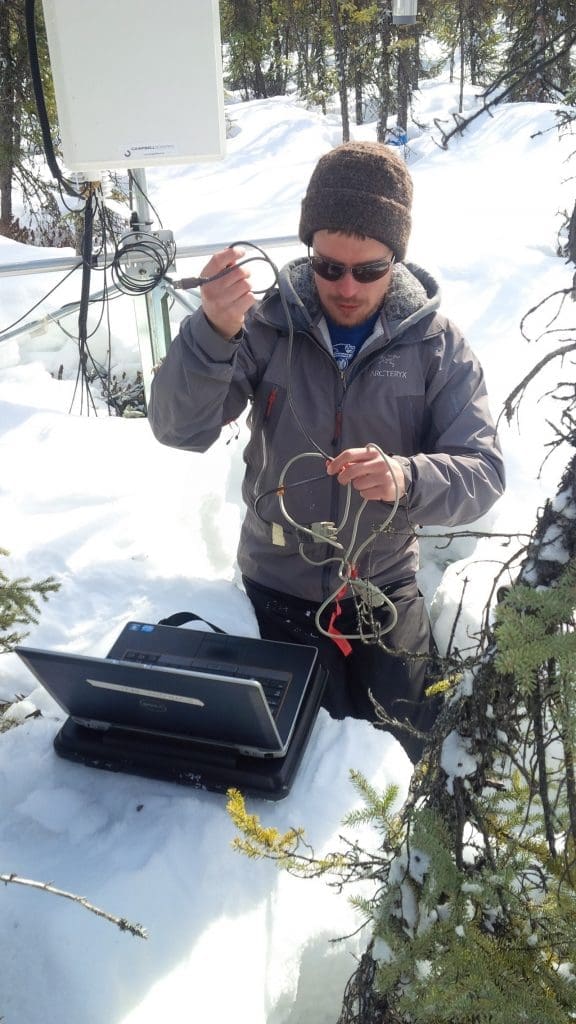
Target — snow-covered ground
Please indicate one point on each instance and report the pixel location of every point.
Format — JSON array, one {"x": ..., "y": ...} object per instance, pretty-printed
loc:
[{"x": 133, "y": 530}]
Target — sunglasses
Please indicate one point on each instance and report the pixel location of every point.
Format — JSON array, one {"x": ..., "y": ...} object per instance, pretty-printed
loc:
[{"x": 364, "y": 273}]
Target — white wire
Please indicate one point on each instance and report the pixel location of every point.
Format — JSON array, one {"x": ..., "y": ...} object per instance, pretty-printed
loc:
[{"x": 349, "y": 559}]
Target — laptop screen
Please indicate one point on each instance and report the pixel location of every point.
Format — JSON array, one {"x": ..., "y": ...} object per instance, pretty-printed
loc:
[{"x": 186, "y": 683}]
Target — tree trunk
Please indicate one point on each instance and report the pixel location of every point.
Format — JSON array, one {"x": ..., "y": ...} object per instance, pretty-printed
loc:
[
  {"x": 538, "y": 90},
  {"x": 415, "y": 63},
  {"x": 260, "y": 90},
  {"x": 319, "y": 64},
  {"x": 473, "y": 31},
  {"x": 341, "y": 68},
  {"x": 359, "y": 96},
  {"x": 303, "y": 63},
  {"x": 383, "y": 77},
  {"x": 404, "y": 61},
  {"x": 7, "y": 120},
  {"x": 462, "y": 59}
]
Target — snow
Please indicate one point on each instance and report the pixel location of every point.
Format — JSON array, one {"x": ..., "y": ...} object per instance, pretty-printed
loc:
[
  {"x": 456, "y": 759},
  {"x": 133, "y": 530}
]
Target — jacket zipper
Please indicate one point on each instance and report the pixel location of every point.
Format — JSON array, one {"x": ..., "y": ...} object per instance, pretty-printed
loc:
[
  {"x": 270, "y": 402},
  {"x": 335, "y": 488}
]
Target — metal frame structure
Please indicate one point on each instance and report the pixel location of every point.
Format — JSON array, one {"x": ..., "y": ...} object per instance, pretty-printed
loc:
[
  {"x": 151, "y": 307},
  {"x": 152, "y": 324}
]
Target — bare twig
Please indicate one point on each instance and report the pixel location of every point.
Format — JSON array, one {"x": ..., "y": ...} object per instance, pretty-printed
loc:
[
  {"x": 122, "y": 923},
  {"x": 564, "y": 293},
  {"x": 456, "y": 617},
  {"x": 457, "y": 534},
  {"x": 515, "y": 396}
]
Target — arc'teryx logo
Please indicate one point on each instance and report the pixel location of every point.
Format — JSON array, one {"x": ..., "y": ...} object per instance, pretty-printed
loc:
[{"x": 385, "y": 367}]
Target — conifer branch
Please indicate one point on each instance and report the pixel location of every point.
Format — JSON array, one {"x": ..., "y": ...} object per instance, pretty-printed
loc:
[
  {"x": 19, "y": 604},
  {"x": 536, "y": 711}
]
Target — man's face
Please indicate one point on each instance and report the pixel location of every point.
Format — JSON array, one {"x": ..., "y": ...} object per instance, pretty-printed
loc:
[{"x": 346, "y": 301}]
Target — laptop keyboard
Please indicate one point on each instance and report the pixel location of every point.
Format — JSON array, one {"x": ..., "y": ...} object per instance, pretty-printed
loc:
[{"x": 274, "y": 683}]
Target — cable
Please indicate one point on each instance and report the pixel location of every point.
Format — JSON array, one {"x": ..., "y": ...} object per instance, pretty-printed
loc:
[
  {"x": 134, "y": 181},
  {"x": 106, "y": 222},
  {"x": 195, "y": 282},
  {"x": 290, "y": 345},
  {"x": 103, "y": 300},
  {"x": 367, "y": 595},
  {"x": 139, "y": 279},
  {"x": 87, "y": 238},
  {"x": 315, "y": 534},
  {"x": 199, "y": 282},
  {"x": 92, "y": 207},
  {"x": 88, "y": 368},
  {"x": 40, "y": 301},
  {"x": 84, "y": 352},
  {"x": 29, "y": 11}
]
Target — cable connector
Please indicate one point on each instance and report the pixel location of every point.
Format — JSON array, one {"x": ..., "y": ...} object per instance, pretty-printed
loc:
[
  {"x": 367, "y": 592},
  {"x": 186, "y": 283},
  {"x": 325, "y": 531}
]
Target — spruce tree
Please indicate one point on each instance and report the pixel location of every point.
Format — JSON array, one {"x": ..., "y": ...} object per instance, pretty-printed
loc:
[
  {"x": 19, "y": 605},
  {"x": 473, "y": 916},
  {"x": 473, "y": 913},
  {"x": 20, "y": 134}
]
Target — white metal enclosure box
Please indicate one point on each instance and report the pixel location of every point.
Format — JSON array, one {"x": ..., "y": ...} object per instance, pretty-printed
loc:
[{"x": 137, "y": 82}]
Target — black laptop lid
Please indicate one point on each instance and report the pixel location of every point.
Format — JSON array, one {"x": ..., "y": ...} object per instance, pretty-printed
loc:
[
  {"x": 138, "y": 686},
  {"x": 236, "y": 656}
]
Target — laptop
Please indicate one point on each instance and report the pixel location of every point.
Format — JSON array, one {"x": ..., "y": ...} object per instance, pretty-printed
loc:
[{"x": 206, "y": 709}]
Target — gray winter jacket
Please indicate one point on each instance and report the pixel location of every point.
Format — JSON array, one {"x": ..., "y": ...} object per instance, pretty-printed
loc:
[{"x": 415, "y": 389}]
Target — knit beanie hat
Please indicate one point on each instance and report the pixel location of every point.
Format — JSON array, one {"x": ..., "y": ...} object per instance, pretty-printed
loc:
[{"x": 360, "y": 188}]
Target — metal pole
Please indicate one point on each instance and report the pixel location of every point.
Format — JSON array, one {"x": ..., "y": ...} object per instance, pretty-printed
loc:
[{"x": 64, "y": 263}]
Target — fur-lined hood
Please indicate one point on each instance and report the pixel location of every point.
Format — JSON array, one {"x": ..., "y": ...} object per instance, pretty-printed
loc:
[{"x": 413, "y": 295}]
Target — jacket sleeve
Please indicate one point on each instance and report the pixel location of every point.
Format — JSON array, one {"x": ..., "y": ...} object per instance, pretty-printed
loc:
[
  {"x": 203, "y": 383},
  {"x": 459, "y": 473}
]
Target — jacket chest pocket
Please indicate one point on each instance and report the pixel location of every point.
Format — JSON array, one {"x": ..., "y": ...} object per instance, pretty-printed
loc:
[
  {"x": 388, "y": 402},
  {"x": 267, "y": 408}
]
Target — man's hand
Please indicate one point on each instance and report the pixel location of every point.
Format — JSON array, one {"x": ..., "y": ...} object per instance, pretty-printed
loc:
[
  {"x": 226, "y": 300},
  {"x": 369, "y": 473}
]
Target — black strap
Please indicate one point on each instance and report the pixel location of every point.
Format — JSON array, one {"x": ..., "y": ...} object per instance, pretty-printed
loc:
[{"x": 179, "y": 618}]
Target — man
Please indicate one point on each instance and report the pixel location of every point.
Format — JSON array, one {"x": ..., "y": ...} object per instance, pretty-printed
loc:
[{"x": 368, "y": 417}]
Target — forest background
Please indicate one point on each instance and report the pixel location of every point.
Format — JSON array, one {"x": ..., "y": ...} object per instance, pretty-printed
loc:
[{"x": 345, "y": 48}]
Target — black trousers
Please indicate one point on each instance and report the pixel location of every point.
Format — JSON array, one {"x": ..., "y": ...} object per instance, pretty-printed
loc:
[{"x": 397, "y": 680}]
